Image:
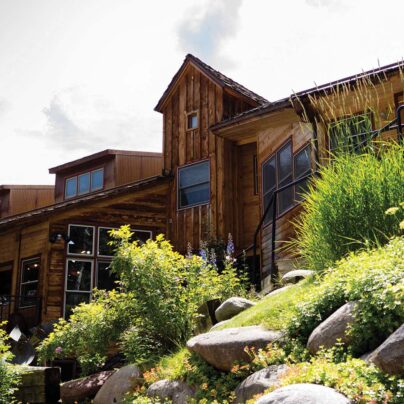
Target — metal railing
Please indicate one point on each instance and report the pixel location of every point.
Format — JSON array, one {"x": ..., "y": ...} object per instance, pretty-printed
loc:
[
  {"x": 25, "y": 310},
  {"x": 395, "y": 124}
]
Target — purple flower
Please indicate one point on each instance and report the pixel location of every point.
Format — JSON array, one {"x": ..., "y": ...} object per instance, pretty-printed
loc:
[
  {"x": 58, "y": 350},
  {"x": 230, "y": 246},
  {"x": 202, "y": 251}
]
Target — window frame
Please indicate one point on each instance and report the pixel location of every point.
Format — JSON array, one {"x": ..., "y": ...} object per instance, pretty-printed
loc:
[
  {"x": 80, "y": 174},
  {"x": 36, "y": 258},
  {"x": 188, "y": 115},
  {"x": 301, "y": 150},
  {"x": 179, "y": 207},
  {"x": 93, "y": 246},
  {"x": 98, "y": 242}
]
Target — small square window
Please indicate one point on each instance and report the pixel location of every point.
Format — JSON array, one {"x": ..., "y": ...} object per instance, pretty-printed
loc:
[
  {"x": 192, "y": 120},
  {"x": 97, "y": 179},
  {"x": 81, "y": 240}
]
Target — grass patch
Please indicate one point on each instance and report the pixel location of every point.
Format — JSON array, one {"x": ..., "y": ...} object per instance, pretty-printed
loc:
[{"x": 274, "y": 312}]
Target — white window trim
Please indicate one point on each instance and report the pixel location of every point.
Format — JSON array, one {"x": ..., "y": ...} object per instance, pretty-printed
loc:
[{"x": 98, "y": 242}]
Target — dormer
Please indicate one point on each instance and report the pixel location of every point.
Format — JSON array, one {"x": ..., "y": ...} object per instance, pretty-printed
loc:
[
  {"x": 16, "y": 199},
  {"x": 103, "y": 170}
]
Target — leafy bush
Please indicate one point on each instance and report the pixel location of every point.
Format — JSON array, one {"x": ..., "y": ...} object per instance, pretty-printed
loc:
[
  {"x": 167, "y": 289},
  {"x": 9, "y": 375},
  {"x": 345, "y": 206},
  {"x": 372, "y": 278},
  {"x": 91, "y": 330}
]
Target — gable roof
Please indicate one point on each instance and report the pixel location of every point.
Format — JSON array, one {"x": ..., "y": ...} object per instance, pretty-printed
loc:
[
  {"x": 219, "y": 78},
  {"x": 99, "y": 155}
]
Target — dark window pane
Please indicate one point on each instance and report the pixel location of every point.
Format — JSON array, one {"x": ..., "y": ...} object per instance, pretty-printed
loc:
[
  {"x": 194, "y": 174},
  {"x": 74, "y": 299},
  {"x": 97, "y": 179},
  {"x": 84, "y": 183},
  {"x": 141, "y": 236},
  {"x": 105, "y": 278},
  {"x": 29, "y": 292},
  {"x": 5, "y": 280},
  {"x": 103, "y": 239},
  {"x": 71, "y": 187},
  {"x": 194, "y": 195},
  {"x": 81, "y": 240},
  {"x": 30, "y": 271},
  {"x": 284, "y": 163},
  {"x": 267, "y": 199},
  {"x": 78, "y": 275},
  {"x": 269, "y": 175},
  {"x": 302, "y": 168},
  {"x": 285, "y": 197},
  {"x": 192, "y": 121}
]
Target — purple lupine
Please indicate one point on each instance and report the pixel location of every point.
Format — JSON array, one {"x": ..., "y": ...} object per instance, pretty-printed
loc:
[
  {"x": 202, "y": 252},
  {"x": 58, "y": 350},
  {"x": 230, "y": 246},
  {"x": 212, "y": 257},
  {"x": 189, "y": 250}
]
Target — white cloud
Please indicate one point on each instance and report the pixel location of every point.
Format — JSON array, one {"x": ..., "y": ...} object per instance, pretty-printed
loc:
[{"x": 204, "y": 30}]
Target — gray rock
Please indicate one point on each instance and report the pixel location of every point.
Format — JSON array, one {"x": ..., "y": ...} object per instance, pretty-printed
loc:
[
  {"x": 303, "y": 394},
  {"x": 258, "y": 382},
  {"x": 389, "y": 356},
  {"x": 232, "y": 307},
  {"x": 178, "y": 392},
  {"x": 333, "y": 328},
  {"x": 222, "y": 348},
  {"x": 115, "y": 388},
  {"x": 275, "y": 292},
  {"x": 86, "y": 387},
  {"x": 296, "y": 275}
]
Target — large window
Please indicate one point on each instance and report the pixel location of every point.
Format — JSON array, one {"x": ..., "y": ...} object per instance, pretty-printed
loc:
[
  {"x": 29, "y": 281},
  {"x": 282, "y": 169},
  {"x": 88, "y": 263},
  {"x": 350, "y": 134},
  {"x": 84, "y": 183},
  {"x": 193, "y": 185}
]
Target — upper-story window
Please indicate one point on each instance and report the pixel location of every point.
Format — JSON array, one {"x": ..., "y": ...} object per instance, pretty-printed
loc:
[
  {"x": 351, "y": 133},
  {"x": 192, "y": 120},
  {"x": 193, "y": 185},
  {"x": 84, "y": 183},
  {"x": 280, "y": 170}
]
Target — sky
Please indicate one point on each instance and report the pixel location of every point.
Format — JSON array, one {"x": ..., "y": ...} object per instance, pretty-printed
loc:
[{"x": 81, "y": 76}]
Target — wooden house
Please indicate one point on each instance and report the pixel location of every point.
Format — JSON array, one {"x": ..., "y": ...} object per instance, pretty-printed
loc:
[{"x": 229, "y": 156}]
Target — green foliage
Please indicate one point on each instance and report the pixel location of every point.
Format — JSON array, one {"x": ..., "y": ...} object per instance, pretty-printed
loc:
[
  {"x": 90, "y": 331},
  {"x": 9, "y": 374},
  {"x": 372, "y": 278},
  {"x": 345, "y": 206},
  {"x": 360, "y": 382}
]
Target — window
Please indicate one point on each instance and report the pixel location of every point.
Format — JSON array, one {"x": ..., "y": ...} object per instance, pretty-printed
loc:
[
  {"x": 88, "y": 262},
  {"x": 5, "y": 280},
  {"x": 349, "y": 134},
  {"x": 29, "y": 282},
  {"x": 84, "y": 183},
  {"x": 193, "y": 185},
  {"x": 302, "y": 167},
  {"x": 282, "y": 169},
  {"x": 192, "y": 120}
]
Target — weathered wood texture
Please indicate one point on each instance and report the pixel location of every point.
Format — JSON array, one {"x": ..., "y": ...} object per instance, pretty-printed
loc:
[
  {"x": 18, "y": 199},
  {"x": 195, "y": 92}
]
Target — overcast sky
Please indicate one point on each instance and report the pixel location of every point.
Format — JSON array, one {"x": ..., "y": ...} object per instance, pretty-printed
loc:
[{"x": 80, "y": 76}]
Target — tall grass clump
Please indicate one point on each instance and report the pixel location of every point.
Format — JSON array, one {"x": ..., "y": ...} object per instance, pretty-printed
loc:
[{"x": 345, "y": 207}]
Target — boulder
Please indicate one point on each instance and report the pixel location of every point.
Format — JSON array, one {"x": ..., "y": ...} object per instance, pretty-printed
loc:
[
  {"x": 258, "y": 382},
  {"x": 222, "y": 348},
  {"x": 232, "y": 307},
  {"x": 217, "y": 325},
  {"x": 115, "y": 388},
  {"x": 176, "y": 391},
  {"x": 86, "y": 387},
  {"x": 303, "y": 393},
  {"x": 275, "y": 292},
  {"x": 389, "y": 356},
  {"x": 333, "y": 328},
  {"x": 296, "y": 275}
]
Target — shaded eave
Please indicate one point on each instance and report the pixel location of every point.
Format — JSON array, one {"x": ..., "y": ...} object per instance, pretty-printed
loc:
[
  {"x": 100, "y": 155},
  {"x": 218, "y": 78},
  {"x": 42, "y": 213},
  {"x": 33, "y": 187}
]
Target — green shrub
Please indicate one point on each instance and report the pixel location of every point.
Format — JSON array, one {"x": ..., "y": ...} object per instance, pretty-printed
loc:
[
  {"x": 372, "y": 278},
  {"x": 91, "y": 330},
  {"x": 345, "y": 206},
  {"x": 9, "y": 375},
  {"x": 167, "y": 289}
]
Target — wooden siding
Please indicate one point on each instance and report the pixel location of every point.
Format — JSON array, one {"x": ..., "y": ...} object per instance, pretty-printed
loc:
[{"x": 129, "y": 168}]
